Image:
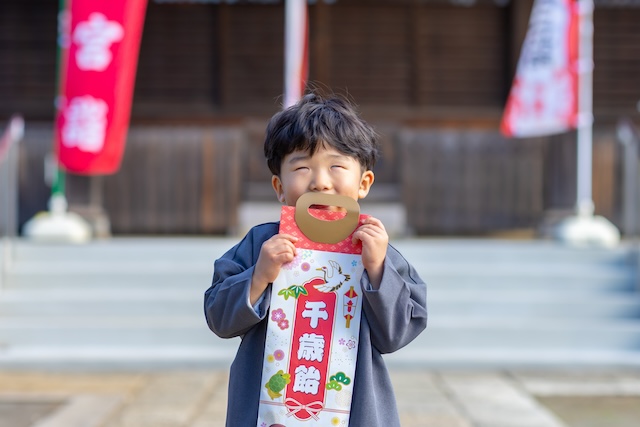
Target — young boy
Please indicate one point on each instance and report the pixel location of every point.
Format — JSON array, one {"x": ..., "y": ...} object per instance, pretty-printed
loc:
[{"x": 317, "y": 145}]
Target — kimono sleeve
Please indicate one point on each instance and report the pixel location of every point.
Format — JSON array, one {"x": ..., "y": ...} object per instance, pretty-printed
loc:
[
  {"x": 397, "y": 311},
  {"x": 226, "y": 303}
]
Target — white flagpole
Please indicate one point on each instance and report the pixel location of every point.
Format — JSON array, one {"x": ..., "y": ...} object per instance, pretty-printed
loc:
[
  {"x": 586, "y": 229},
  {"x": 294, "y": 50},
  {"x": 584, "y": 203}
]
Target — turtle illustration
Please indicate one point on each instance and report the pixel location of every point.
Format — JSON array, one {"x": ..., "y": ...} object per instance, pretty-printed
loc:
[{"x": 277, "y": 383}]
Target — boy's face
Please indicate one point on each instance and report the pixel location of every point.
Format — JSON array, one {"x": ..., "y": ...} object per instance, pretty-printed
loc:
[{"x": 327, "y": 171}]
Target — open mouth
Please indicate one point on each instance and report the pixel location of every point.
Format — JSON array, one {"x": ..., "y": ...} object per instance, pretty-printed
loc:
[
  {"x": 329, "y": 208},
  {"x": 321, "y": 207}
]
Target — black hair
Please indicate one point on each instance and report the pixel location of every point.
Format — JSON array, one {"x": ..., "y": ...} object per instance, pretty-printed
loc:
[{"x": 314, "y": 122}]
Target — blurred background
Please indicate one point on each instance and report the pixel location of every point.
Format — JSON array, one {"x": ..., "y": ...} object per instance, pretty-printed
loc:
[
  {"x": 431, "y": 76},
  {"x": 468, "y": 207}
]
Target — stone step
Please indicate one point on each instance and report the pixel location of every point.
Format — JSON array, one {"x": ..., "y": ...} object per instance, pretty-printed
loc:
[
  {"x": 131, "y": 301},
  {"x": 101, "y": 302},
  {"x": 529, "y": 307},
  {"x": 506, "y": 332},
  {"x": 444, "y": 332},
  {"x": 430, "y": 250},
  {"x": 189, "y": 281},
  {"x": 500, "y": 251},
  {"x": 622, "y": 284},
  {"x": 198, "y": 282}
]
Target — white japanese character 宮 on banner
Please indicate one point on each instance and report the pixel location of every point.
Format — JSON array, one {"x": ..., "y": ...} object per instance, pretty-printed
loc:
[{"x": 94, "y": 38}]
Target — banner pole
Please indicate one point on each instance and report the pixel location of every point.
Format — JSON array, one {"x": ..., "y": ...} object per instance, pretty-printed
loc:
[
  {"x": 57, "y": 224},
  {"x": 58, "y": 182},
  {"x": 584, "y": 202},
  {"x": 585, "y": 228},
  {"x": 295, "y": 50},
  {"x": 58, "y": 177}
]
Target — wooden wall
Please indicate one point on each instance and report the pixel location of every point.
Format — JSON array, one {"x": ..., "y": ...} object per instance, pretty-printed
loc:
[
  {"x": 173, "y": 180},
  {"x": 190, "y": 180},
  {"x": 470, "y": 182}
]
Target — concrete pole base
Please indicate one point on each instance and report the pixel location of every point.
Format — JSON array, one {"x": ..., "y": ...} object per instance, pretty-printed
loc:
[
  {"x": 587, "y": 231},
  {"x": 57, "y": 224}
]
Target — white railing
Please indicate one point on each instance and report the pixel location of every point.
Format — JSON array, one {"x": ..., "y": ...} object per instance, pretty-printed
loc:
[
  {"x": 9, "y": 191},
  {"x": 629, "y": 137}
]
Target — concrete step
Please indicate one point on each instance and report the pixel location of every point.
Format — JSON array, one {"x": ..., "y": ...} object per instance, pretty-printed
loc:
[
  {"x": 533, "y": 306},
  {"x": 125, "y": 301},
  {"x": 500, "y": 251},
  {"x": 443, "y": 332},
  {"x": 545, "y": 334},
  {"x": 144, "y": 301},
  {"x": 101, "y": 302},
  {"x": 102, "y": 331},
  {"x": 192, "y": 280}
]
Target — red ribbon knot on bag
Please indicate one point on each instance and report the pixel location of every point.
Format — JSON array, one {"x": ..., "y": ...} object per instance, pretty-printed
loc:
[{"x": 294, "y": 407}]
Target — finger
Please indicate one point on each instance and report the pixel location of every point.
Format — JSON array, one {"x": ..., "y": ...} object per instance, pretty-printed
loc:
[
  {"x": 371, "y": 226},
  {"x": 288, "y": 237},
  {"x": 361, "y": 236},
  {"x": 370, "y": 230},
  {"x": 284, "y": 258},
  {"x": 288, "y": 250},
  {"x": 275, "y": 255},
  {"x": 373, "y": 221}
]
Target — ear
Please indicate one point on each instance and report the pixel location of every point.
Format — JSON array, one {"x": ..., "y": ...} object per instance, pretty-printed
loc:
[
  {"x": 276, "y": 183},
  {"x": 365, "y": 184}
]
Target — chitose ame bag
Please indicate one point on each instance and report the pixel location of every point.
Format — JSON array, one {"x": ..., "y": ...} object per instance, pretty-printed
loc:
[{"x": 314, "y": 319}]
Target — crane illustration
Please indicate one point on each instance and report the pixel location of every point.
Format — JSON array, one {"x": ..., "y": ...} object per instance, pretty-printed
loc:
[{"x": 333, "y": 277}]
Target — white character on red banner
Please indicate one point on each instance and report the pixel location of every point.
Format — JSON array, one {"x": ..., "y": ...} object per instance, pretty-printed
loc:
[
  {"x": 311, "y": 347},
  {"x": 307, "y": 380},
  {"x": 315, "y": 311},
  {"x": 94, "y": 38},
  {"x": 85, "y": 124}
]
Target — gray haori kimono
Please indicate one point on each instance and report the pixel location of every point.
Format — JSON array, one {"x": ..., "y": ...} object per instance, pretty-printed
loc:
[{"x": 392, "y": 317}]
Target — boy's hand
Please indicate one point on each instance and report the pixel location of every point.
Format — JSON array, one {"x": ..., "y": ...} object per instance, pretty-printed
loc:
[
  {"x": 275, "y": 252},
  {"x": 374, "y": 240}
]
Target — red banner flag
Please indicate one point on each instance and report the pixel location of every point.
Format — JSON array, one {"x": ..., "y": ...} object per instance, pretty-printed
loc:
[
  {"x": 543, "y": 97},
  {"x": 99, "y": 42}
]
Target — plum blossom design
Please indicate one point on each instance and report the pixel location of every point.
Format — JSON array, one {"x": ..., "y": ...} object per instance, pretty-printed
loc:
[
  {"x": 283, "y": 324},
  {"x": 278, "y": 355},
  {"x": 278, "y": 315},
  {"x": 280, "y": 318}
]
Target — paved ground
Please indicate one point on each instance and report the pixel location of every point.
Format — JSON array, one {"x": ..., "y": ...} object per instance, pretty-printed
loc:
[{"x": 425, "y": 397}]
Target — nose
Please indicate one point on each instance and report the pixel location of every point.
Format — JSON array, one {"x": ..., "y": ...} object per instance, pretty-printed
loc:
[{"x": 320, "y": 182}]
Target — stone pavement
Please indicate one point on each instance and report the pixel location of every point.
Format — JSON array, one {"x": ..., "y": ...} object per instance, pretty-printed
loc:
[{"x": 197, "y": 398}]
